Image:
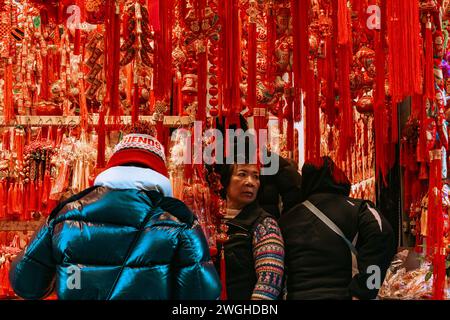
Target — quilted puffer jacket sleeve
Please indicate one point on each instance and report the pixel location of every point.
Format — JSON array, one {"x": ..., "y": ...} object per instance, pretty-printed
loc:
[
  {"x": 33, "y": 270},
  {"x": 195, "y": 275}
]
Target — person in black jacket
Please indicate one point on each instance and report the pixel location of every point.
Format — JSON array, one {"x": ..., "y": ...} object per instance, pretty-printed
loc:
[
  {"x": 280, "y": 192},
  {"x": 318, "y": 260}
]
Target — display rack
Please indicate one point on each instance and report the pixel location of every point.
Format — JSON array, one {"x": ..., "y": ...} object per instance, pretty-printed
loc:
[
  {"x": 169, "y": 121},
  {"x": 11, "y": 225}
]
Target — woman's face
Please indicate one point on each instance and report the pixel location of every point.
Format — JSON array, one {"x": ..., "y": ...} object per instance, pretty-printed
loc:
[{"x": 244, "y": 185}]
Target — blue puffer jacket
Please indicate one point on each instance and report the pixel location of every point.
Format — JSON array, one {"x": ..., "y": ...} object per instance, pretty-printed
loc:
[{"x": 117, "y": 244}]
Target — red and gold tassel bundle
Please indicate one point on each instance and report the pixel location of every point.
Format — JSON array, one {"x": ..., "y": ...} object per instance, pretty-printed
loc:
[
  {"x": 2, "y": 200},
  {"x": 435, "y": 225},
  {"x": 9, "y": 107},
  {"x": 202, "y": 79},
  {"x": 344, "y": 58},
  {"x": 404, "y": 49},
  {"x": 251, "y": 76}
]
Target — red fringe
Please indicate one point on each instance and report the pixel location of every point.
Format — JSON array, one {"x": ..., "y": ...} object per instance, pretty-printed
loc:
[
  {"x": 26, "y": 208},
  {"x": 153, "y": 12},
  {"x": 404, "y": 48},
  {"x": 44, "y": 80},
  {"x": 2, "y": 201},
  {"x": 251, "y": 77},
  {"x": 235, "y": 57},
  {"x": 201, "y": 93},
  {"x": 344, "y": 23},
  {"x": 346, "y": 124},
  {"x": 428, "y": 89},
  {"x": 269, "y": 76},
  {"x": 135, "y": 104},
  {"x": 9, "y": 107},
  {"x": 83, "y": 107},
  {"x": 9, "y": 198},
  {"x": 223, "y": 276},
  {"x": 435, "y": 223},
  {"x": 32, "y": 195},
  {"x": 379, "y": 110},
  {"x": 312, "y": 125},
  {"x": 101, "y": 140}
]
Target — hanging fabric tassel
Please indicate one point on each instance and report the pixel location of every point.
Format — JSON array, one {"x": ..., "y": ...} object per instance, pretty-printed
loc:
[
  {"x": 9, "y": 107},
  {"x": 112, "y": 50},
  {"x": 10, "y": 200},
  {"x": 435, "y": 245},
  {"x": 300, "y": 21},
  {"x": 202, "y": 78},
  {"x": 379, "y": 109},
  {"x": 15, "y": 200},
  {"x": 429, "y": 90},
  {"x": 46, "y": 189},
  {"x": 251, "y": 75},
  {"x": 83, "y": 106},
  {"x": 312, "y": 118},
  {"x": 101, "y": 146},
  {"x": 39, "y": 195},
  {"x": 32, "y": 194},
  {"x": 20, "y": 200},
  {"x": 153, "y": 14},
  {"x": 344, "y": 55},
  {"x": 223, "y": 275},
  {"x": 2, "y": 201},
  {"x": 26, "y": 206},
  {"x": 135, "y": 101},
  {"x": 404, "y": 48}
]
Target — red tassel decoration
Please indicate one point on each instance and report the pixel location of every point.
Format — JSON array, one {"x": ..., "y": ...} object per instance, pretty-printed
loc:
[
  {"x": 101, "y": 146},
  {"x": 223, "y": 276},
  {"x": 20, "y": 200},
  {"x": 83, "y": 107},
  {"x": 2, "y": 201},
  {"x": 202, "y": 78},
  {"x": 404, "y": 48},
  {"x": 39, "y": 195},
  {"x": 26, "y": 207},
  {"x": 135, "y": 104},
  {"x": 435, "y": 224},
  {"x": 112, "y": 49},
  {"x": 251, "y": 77},
  {"x": 312, "y": 119},
  {"x": 429, "y": 91},
  {"x": 379, "y": 110},
  {"x": 344, "y": 55},
  {"x": 10, "y": 201},
  {"x": 33, "y": 199},
  {"x": 153, "y": 14},
  {"x": 9, "y": 107},
  {"x": 300, "y": 21},
  {"x": 46, "y": 189}
]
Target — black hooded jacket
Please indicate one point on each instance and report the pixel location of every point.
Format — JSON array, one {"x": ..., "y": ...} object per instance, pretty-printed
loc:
[{"x": 318, "y": 262}]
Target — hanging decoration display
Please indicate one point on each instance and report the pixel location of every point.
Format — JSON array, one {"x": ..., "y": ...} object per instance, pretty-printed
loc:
[{"x": 346, "y": 69}]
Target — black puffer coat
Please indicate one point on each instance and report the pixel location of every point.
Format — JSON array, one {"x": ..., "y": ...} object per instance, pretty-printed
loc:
[{"x": 318, "y": 261}]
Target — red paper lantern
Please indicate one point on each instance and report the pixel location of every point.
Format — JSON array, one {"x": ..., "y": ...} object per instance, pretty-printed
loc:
[
  {"x": 213, "y": 112},
  {"x": 213, "y": 81},
  {"x": 213, "y": 91},
  {"x": 213, "y": 102}
]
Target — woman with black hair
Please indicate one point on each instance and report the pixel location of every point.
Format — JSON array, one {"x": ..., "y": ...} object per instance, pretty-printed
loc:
[{"x": 254, "y": 251}]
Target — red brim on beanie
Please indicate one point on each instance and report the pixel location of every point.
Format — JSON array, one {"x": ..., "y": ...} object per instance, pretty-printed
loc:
[{"x": 140, "y": 156}]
